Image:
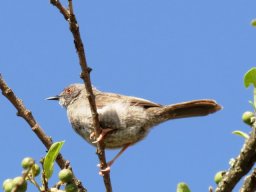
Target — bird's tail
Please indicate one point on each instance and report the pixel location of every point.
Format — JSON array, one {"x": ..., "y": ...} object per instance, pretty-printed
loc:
[{"x": 186, "y": 109}]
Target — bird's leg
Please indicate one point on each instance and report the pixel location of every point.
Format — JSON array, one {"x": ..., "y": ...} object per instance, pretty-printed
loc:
[
  {"x": 107, "y": 169},
  {"x": 103, "y": 133}
]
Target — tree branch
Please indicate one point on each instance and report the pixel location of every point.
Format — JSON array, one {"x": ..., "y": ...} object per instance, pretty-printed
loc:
[
  {"x": 85, "y": 75},
  {"x": 249, "y": 183},
  {"x": 28, "y": 117},
  {"x": 242, "y": 165}
]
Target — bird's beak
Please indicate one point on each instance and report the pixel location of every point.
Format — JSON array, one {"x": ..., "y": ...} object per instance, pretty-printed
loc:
[{"x": 57, "y": 97}]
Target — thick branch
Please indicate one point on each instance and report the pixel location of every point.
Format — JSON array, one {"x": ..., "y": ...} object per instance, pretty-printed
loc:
[
  {"x": 28, "y": 117},
  {"x": 242, "y": 165},
  {"x": 249, "y": 183},
  {"x": 74, "y": 28}
]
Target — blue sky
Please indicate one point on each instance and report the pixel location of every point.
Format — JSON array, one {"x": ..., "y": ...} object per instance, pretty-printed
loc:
[{"x": 166, "y": 51}]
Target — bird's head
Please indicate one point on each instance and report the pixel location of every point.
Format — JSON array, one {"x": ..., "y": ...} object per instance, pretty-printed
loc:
[{"x": 68, "y": 95}]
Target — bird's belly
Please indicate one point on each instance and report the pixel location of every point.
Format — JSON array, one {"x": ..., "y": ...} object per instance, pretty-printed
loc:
[
  {"x": 117, "y": 138},
  {"x": 128, "y": 125},
  {"x": 120, "y": 137}
]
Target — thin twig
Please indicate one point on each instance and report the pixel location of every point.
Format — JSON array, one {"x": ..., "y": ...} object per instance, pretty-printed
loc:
[
  {"x": 28, "y": 117},
  {"x": 43, "y": 178},
  {"x": 85, "y": 75},
  {"x": 62, "y": 9},
  {"x": 249, "y": 183},
  {"x": 44, "y": 181},
  {"x": 24, "y": 175},
  {"x": 242, "y": 165},
  {"x": 32, "y": 180}
]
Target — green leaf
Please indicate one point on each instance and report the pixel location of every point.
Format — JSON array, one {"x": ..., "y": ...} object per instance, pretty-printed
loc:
[
  {"x": 250, "y": 77},
  {"x": 241, "y": 134},
  {"x": 50, "y": 158},
  {"x": 182, "y": 187}
]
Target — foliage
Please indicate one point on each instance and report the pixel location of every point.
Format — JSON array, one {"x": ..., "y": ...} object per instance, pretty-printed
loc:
[{"x": 31, "y": 170}]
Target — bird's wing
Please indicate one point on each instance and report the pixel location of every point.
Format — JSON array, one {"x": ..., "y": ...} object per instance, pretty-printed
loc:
[{"x": 102, "y": 99}]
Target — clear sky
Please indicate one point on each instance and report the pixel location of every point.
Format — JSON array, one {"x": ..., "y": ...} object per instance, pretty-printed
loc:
[{"x": 166, "y": 51}]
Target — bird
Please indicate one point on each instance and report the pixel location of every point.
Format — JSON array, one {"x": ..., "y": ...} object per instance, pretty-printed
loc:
[{"x": 124, "y": 120}]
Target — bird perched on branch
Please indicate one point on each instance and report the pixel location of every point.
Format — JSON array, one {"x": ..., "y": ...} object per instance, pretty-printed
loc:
[{"x": 124, "y": 120}]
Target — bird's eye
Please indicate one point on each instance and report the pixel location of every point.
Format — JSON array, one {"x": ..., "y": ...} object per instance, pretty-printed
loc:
[{"x": 68, "y": 90}]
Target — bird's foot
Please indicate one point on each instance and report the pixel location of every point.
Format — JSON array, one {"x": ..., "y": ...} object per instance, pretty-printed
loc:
[
  {"x": 102, "y": 172},
  {"x": 110, "y": 163},
  {"x": 103, "y": 133},
  {"x": 92, "y": 135}
]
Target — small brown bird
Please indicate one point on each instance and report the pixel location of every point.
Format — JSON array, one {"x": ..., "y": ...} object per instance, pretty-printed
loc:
[{"x": 124, "y": 120}]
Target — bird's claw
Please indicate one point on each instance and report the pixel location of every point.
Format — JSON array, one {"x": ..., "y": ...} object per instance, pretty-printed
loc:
[
  {"x": 92, "y": 135},
  {"x": 104, "y": 132},
  {"x": 98, "y": 139},
  {"x": 102, "y": 172}
]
